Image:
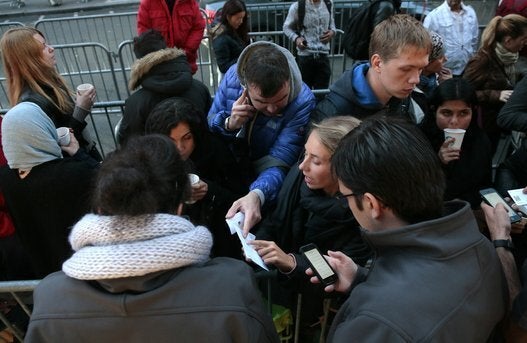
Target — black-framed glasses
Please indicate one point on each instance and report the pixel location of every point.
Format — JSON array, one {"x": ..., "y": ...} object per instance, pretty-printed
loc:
[{"x": 344, "y": 196}]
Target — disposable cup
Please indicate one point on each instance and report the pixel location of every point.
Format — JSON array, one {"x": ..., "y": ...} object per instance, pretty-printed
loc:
[
  {"x": 457, "y": 134},
  {"x": 64, "y": 136},
  {"x": 84, "y": 88},
  {"x": 194, "y": 180}
]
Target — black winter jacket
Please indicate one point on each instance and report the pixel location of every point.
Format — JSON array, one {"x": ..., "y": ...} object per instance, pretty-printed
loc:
[{"x": 161, "y": 74}]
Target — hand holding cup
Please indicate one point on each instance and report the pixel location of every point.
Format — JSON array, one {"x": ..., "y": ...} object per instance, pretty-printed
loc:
[{"x": 85, "y": 96}]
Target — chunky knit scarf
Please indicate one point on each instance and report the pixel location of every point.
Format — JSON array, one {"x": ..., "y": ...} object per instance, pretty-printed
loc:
[{"x": 109, "y": 247}]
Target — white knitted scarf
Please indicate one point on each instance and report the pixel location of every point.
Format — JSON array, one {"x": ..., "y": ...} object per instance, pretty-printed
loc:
[{"x": 109, "y": 247}]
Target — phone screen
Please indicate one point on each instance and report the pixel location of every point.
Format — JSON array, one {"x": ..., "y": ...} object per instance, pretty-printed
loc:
[
  {"x": 319, "y": 264},
  {"x": 493, "y": 198}
]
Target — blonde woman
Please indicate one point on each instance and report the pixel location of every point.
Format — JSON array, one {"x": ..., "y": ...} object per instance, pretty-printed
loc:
[
  {"x": 492, "y": 71},
  {"x": 29, "y": 66}
]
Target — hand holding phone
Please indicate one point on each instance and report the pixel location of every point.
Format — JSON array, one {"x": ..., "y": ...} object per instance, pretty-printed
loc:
[
  {"x": 491, "y": 197},
  {"x": 319, "y": 265}
]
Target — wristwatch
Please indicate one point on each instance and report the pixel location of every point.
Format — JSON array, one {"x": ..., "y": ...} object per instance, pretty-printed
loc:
[
  {"x": 226, "y": 123},
  {"x": 503, "y": 243}
]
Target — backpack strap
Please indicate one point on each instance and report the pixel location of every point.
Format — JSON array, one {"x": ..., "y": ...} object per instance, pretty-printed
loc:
[{"x": 301, "y": 15}]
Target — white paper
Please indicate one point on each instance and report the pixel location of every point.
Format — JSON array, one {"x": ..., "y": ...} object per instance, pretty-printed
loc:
[
  {"x": 518, "y": 196},
  {"x": 235, "y": 225}
]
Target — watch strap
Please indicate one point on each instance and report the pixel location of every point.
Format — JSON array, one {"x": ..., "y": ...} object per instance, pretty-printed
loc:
[{"x": 503, "y": 243}]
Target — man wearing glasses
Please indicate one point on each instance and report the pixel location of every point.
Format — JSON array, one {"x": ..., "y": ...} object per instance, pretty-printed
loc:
[{"x": 435, "y": 278}]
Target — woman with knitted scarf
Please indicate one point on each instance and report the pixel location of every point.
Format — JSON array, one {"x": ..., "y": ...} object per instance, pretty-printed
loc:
[
  {"x": 492, "y": 71},
  {"x": 140, "y": 272}
]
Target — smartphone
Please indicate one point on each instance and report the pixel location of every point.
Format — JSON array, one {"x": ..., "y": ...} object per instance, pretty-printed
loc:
[
  {"x": 491, "y": 197},
  {"x": 523, "y": 209},
  {"x": 318, "y": 263}
]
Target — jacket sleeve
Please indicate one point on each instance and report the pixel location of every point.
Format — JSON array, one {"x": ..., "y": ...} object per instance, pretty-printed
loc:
[
  {"x": 143, "y": 18},
  {"x": 290, "y": 22},
  {"x": 222, "y": 51},
  {"x": 196, "y": 34},
  {"x": 227, "y": 93},
  {"x": 384, "y": 10},
  {"x": 513, "y": 115},
  {"x": 287, "y": 146},
  {"x": 474, "y": 74},
  {"x": 365, "y": 328}
]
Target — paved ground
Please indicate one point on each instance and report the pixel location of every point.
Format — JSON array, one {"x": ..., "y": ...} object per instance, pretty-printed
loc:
[{"x": 9, "y": 11}]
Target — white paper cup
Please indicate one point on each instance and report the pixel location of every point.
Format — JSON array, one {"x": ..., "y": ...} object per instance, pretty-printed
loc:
[
  {"x": 194, "y": 180},
  {"x": 64, "y": 136},
  {"x": 457, "y": 134},
  {"x": 84, "y": 88}
]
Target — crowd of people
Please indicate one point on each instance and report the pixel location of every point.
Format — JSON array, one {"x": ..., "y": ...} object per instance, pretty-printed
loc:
[{"x": 136, "y": 247}]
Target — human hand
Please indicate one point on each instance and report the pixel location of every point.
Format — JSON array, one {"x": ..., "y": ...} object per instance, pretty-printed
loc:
[
  {"x": 505, "y": 95},
  {"x": 86, "y": 99},
  {"x": 72, "y": 148},
  {"x": 301, "y": 42},
  {"x": 199, "y": 190},
  {"x": 241, "y": 111},
  {"x": 447, "y": 153},
  {"x": 497, "y": 221},
  {"x": 444, "y": 74},
  {"x": 326, "y": 36},
  {"x": 345, "y": 268},
  {"x": 272, "y": 254},
  {"x": 249, "y": 205}
]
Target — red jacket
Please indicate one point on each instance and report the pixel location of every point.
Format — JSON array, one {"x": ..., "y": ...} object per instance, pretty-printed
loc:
[
  {"x": 183, "y": 29},
  {"x": 6, "y": 223}
]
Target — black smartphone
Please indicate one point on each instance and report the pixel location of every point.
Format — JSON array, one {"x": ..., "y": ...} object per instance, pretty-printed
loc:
[
  {"x": 491, "y": 197},
  {"x": 318, "y": 263}
]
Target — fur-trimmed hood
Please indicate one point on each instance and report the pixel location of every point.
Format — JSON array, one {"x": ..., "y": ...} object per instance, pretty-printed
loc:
[{"x": 164, "y": 71}]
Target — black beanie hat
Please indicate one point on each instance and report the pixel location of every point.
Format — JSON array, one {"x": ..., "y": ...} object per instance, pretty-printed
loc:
[{"x": 149, "y": 41}]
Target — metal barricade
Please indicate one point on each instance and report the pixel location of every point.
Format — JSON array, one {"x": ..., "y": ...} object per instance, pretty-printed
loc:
[
  {"x": 106, "y": 29},
  {"x": 21, "y": 292},
  {"x": 103, "y": 119}
]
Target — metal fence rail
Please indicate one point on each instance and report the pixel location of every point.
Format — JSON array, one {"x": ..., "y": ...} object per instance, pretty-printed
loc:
[{"x": 21, "y": 294}]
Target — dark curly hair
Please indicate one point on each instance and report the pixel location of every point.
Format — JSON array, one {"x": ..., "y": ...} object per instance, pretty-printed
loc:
[{"x": 146, "y": 176}]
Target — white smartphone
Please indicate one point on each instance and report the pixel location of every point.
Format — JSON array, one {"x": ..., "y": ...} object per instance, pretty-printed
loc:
[
  {"x": 318, "y": 263},
  {"x": 492, "y": 197}
]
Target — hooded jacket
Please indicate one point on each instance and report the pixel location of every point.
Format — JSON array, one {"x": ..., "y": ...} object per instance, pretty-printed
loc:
[
  {"x": 276, "y": 142},
  {"x": 161, "y": 74},
  {"x": 434, "y": 281},
  {"x": 352, "y": 95},
  {"x": 177, "y": 305},
  {"x": 182, "y": 28}
]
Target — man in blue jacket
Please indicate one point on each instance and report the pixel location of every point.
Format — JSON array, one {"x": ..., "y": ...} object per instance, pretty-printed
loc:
[
  {"x": 399, "y": 50},
  {"x": 263, "y": 106}
]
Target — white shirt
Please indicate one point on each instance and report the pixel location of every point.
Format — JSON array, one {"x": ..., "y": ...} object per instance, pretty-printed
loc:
[{"x": 459, "y": 31}]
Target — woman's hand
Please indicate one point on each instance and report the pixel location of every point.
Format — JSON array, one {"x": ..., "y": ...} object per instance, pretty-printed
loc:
[
  {"x": 86, "y": 99},
  {"x": 272, "y": 254},
  {"x": 72, "y": 148},
  {"x": 505, "y": 95},
  {"x": 447, "y": 153},
  {"x": 199, "y": 190}
]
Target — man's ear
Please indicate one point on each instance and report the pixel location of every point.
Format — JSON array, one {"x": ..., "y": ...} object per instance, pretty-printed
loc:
[
  {"x": 374, "y": 206},
  {"x": 375, "y": 62}
]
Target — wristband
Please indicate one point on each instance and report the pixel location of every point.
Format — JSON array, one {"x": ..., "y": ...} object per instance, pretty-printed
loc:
[{"x": 503, "y": 243}]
